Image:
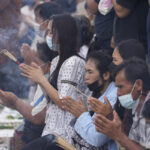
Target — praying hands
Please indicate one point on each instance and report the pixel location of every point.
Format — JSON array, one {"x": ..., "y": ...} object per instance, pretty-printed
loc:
[
  {"x": 74, "y": 107},
  {"x": 98, "y": 107}
]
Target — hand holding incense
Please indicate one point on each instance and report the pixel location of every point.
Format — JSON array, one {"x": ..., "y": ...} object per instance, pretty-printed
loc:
[
  {"x": 79, "y": 91},
  {"x": 9, "y": 55}
]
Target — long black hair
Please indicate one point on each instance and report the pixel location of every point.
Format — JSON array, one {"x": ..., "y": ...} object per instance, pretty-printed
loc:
[
  {"x": 64, "y": 27},
  {"x": 46, "y": 10},
  {"x": 131, "y": 48}
]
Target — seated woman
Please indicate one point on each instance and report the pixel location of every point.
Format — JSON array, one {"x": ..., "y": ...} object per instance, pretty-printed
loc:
[
  {"x": 98, "y": 80},
  {"x": 67, "y": 66}
]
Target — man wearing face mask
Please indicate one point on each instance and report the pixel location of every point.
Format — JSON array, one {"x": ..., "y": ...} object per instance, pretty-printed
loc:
[
  {"x": 99, "y": 82},
  {"x": 43, "y": 13},
  {"x": 133, "y": 81}
]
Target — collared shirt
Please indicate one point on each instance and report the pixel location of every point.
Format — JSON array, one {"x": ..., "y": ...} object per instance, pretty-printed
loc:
[
  {"x": 140, "y": 130},
  {"x": 86, "y": 129}
]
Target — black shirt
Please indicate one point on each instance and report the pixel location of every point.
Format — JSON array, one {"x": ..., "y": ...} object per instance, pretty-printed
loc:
[
  {"x": 104, "y": 24},
  {"x": 132, "y": 26}
]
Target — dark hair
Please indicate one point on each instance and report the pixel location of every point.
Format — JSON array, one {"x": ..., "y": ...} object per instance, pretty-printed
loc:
[
  {"x": 146, "y": 110},
  {"x": 68, "y": 5},
  {"x": 65, "y": 27},
  {"x": 102, "y": 61},
  {"x": 84, "y": 30},
  {"x": 28, "y": 2},
  {"x": 46, "y": 10},
  {"x": 45, "y": 54},
  {"x": 135, "y": 68},
  {"x": 130, "y": 48}
]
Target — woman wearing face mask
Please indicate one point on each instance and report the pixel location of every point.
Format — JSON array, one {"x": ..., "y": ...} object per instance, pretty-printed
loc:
[
  {"x": 99, "y": 82},
  {"x": 68, "y": 66},
  {"x": 133, "y": 81}
]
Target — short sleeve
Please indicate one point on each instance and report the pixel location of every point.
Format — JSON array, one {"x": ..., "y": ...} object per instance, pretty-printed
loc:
[
  {"x": 129, "y": 4},
  {"x": 72, "y": 70}
]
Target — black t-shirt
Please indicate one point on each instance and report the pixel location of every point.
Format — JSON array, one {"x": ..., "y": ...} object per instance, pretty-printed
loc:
[
  {"x": 134, "y": 25},
  {"x": 104, "y": 24}
]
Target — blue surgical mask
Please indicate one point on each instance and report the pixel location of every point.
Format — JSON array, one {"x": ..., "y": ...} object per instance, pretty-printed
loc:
[
  {"x": 51, "y": 45},
  {"x": 49, "y": 42},
  {"x": 127, "y": 101},
  {"x": 56, "y": 47}
]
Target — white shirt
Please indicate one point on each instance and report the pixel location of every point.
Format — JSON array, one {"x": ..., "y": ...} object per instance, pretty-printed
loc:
[
  {"x": 84, "y": 51},
  {"x": 58, "y": 120}
]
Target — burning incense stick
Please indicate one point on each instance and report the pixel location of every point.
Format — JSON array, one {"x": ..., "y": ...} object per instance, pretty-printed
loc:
[
  {"x": 8, "y": 54},
  {"x": 42, "y": 65},
  {"x": 73, "y": 86},
  {"x": 63, "y": 144},
  {"x": 79, "y": 91}
]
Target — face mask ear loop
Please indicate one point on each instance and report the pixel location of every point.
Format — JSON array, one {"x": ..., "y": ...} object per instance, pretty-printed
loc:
[
  {"x": 140, "y": 94},
  {"x": 133, "y": 87}
]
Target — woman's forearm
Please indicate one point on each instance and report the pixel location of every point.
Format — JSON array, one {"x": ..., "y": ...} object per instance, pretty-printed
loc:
[{"x": 50, "y": 91}]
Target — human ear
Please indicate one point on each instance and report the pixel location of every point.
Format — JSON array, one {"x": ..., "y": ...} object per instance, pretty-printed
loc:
[
  {"x": 106, "y": 76},
  {"x": 139, "y": 85}
]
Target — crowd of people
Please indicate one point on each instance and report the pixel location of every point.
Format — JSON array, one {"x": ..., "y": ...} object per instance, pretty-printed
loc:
[{"x": 89, "y": 83}]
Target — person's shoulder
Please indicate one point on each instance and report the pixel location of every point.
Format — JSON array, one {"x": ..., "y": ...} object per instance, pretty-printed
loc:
[
  {"x": 111, "y": 90},
  {"x": 113, "y": 86},
  {"x": 55, "y": 59},
  {"x": 75, "y": 59},
  {"x": 74, "y": 62}
]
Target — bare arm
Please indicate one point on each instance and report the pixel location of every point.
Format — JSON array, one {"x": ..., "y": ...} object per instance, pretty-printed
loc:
[
  {"x": 121, "y": 12},
  {"x": 26, "y": 110},
  {"x": 10, "y": 100},
  {"x": 127, "y": 143},
  {"x": 51, "y": 91},
  {"x": 35, "y": 74}
]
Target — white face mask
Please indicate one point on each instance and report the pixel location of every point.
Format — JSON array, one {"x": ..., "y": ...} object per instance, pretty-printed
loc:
[
  {"x": 127, "y": 101},
  {"x": 38, "y": 31}
]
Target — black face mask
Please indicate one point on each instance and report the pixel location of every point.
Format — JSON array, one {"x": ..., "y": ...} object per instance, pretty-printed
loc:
[
  {"x": 112, "y": 67},
  {"x": 95, "y": 87}
]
